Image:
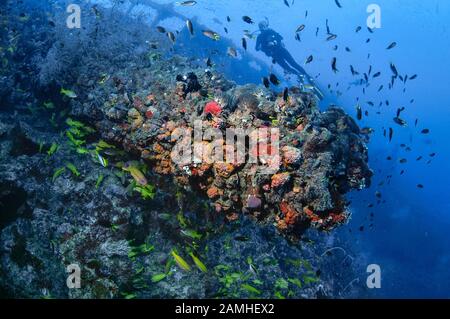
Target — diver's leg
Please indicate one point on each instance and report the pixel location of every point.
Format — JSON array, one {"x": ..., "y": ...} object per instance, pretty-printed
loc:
[
  {"x": 289, "y": 59},
  {"x": 285, "y": 66}
]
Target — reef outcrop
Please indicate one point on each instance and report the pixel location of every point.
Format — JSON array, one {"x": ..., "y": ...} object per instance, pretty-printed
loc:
[{"x": 321, "y": 155}]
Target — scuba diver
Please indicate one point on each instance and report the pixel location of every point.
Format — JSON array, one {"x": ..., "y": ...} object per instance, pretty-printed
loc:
[{"x": 270, "y": 42}]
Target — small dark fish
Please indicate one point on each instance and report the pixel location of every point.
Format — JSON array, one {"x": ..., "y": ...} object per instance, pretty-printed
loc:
[
  {"x": 287, "y": 3},
  {"x": 366, "y": 130},
  {"x": 413, "y": 77},
  {"x": 353, "y": 70},
  {"x": 286, "y": 94},
  {"x": 242, "y": 238},
  {"x": 368, "y": 40},
  {"x": 432, "y": 154},
  {"x": 247, "y": 19},
  {"x": 338, "y": 4},
  {"x": 419, "y": 186},
  {"x": 333, "y": 65},
  {"x": 266, "y": 82},
  {"x": 381, "y": 88},
  {"x": 51, "y": 23},
  {"x": 190, "y": 26},
  {"x": 403, "y": 161},
  {"x": 419, "y": 158},
  {"x": 309, "y": 59},
  {"x": 232, "y": 52},
  {"x": 425, "y": 131},
  {"x": 209, "y": 63},
  {"x": 394, "y": 69},
  {"x": 331, "y": 37},
  {"x": 317, "y": 31},
  {"x": 358, "y": 29},
  {"x": 399, "y": 121},
  {"x": 376, "y": 74},
  {"x": 297, "y": 37},
  {"x": 244, "y": 44},
  {"x": 160, "y": 29},
  {"x": 171, "y": 36},
  {"x": 391, "y": 46},
  {"x": 399, "y": 111},
  {"x": 225, "y": 29},
  {"x": 273, "y": 78},
  {"x": 391, "y": 134},
  {"x": 358, "y": 112},
  {"x": 416, "y": 122},
  {"x": 186, "y": 3},
  {"x": 228, "y": 19},
  {"x": 401, "y": 78},
  {"x": 348, "y": 49},
  {"x": 370, "y": 30},
  {"x": 300, "y": 28}
]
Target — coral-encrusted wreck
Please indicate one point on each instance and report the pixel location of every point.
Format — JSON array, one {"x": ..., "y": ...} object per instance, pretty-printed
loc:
[{"x": 323, "y": 155}]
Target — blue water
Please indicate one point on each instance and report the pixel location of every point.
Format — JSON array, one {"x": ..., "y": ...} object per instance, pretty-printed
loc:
[{"x": 409, "y": 238}]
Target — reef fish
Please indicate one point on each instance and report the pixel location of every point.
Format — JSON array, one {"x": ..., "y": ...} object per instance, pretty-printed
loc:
[
  {"x": 160, "y": 29},
  {"x": 247, "y": 19},
  {"x": 273, "y": 78},
  {"x": 190, "y": 26},
  {"x": 211, "y": 34},
  {"x": 333, "y": 65},
  {"x": 232, "y": 52},
  {"x": 171, "y": 36},
  {"x": 68, "y": 93},
  {"x": 180, "y": 261},
  {"x": 244, "y": 44},
  {"x": 300, "y": 28},
  {"x": 391, "y": 46},
  {"x": 358, "y": 112},
  {"x": 186, "y": 3},
  {"x": 136, "y": 174}
]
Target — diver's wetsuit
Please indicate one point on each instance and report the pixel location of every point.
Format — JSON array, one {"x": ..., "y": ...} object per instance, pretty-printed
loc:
[{"x": 270, "y": 43}]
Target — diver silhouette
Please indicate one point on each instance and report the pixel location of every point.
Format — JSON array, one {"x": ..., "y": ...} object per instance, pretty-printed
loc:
[{"x": 270, "y": 42}]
